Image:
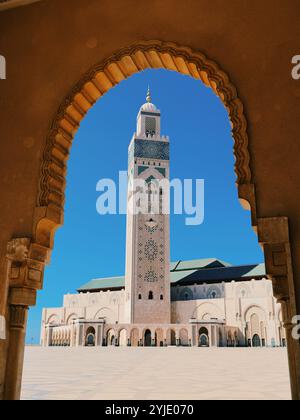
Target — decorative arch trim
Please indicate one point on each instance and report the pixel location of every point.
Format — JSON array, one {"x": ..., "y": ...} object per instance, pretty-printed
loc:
[
  {"x": 104, "y": 309},
  {"x": 207, "y": 308},
  {"x": 99, "y": 80},
  {"x": 252, "y": 310}
]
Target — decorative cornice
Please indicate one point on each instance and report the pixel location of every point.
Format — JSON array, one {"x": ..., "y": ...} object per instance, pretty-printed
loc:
[
  {"x": 26, "y": 263},
  {"x": 273, "y": 235},
  {"x": 103, "y": 76}
]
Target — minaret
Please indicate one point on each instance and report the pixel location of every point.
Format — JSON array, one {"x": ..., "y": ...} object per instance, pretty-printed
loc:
[{"x": 147, "y": 284}]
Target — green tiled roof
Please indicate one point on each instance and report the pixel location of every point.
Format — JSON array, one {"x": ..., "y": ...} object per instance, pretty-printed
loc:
[
  {"x": 207, "y": 270},
  {"x": 258, "y": 270},
  {"x": 176, "y": 276},
  {"x": 201, "y": 263},
  {"x": 104, "y": 283}
]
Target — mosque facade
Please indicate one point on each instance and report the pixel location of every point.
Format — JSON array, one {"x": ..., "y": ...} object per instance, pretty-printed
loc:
[{"x": 205, "y": 302}]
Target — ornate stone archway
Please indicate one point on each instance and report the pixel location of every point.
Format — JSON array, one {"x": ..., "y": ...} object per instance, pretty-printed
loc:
[
  {"x": 99, "y": 80},
  {"x": 273, "y": 233}
]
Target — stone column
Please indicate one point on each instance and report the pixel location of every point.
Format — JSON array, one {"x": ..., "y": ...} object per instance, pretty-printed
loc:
[
  {"x": 81, "y": 340},
  {"x": 49, "y": 339},
  {"x": 100, "y": 335},
  {"x": 19, "y": 301},
  {"x": 216, "y": 336},
  {"x": 210, "y": 337},
  {"x": 26, "y": 263},
  {"x": 15, "y": 359},
  {"x": 17, "y": 249},
  {"x": 273, "y": 234}
]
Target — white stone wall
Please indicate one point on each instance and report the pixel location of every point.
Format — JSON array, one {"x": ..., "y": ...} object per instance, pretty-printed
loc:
[
  {"x": 235, "y": 302},
  {"x": 91, "y": 306},
  {"x": 240, "y": 304}
]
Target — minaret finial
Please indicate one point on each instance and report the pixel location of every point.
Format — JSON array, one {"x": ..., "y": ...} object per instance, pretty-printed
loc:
[{"x": 148, "y": 97}]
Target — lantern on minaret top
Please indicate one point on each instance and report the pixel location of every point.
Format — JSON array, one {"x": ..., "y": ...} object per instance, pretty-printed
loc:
[{"x": 148, "y": 119}]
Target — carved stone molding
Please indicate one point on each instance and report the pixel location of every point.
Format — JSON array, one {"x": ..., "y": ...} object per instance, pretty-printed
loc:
[
  {"x": 26, "y": 263},
  {"x": 22, "y": 296},
  {"x": 17, "y": 249},
  {"x": 101, "y": 78},
  {"x": 18, "y": 316},
  {"x": 273, "y": 235}
]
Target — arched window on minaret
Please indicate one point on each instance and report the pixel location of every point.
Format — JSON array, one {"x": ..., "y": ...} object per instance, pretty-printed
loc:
[
  {"x": 160, "y": 201},
  {"x": 150, "y": 198},
  {"x": 150, "y": 297},
  {"x": 150, "y": 126}
]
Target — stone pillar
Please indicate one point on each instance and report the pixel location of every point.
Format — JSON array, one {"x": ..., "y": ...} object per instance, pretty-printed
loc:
[
  {"x": 210, "y": 337},
  {"x": 81, "y": 340},
  {"x": 48, "y": 341},
  {"x": 16, "y": 250},
  {"x": 216, "y": 336},
  {"x": 25, "y": 269},
  {"x": 194, "y": 335},
  {"x": 214, "y": 333},
  {"x": 15, "y": 359},
  {"x": 19, "y": 301},
  {"x": 26, "y": 263},
  {"x": 100, "y": 335},
  {"x": 273, "y": 235}
]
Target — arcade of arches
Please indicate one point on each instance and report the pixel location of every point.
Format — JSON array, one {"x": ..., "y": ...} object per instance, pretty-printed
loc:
[{"x": 82, "y": 62}]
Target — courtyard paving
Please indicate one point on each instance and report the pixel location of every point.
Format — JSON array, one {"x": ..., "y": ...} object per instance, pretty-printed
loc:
[{"x": 155, "y": 373}]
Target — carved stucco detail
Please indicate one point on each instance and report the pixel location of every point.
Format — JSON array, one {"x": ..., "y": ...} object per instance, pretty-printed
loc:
[
  {"x": 273, "y": 235},
  {"x": 26, "y": 262},
  {"x": 17, "y": 249}
]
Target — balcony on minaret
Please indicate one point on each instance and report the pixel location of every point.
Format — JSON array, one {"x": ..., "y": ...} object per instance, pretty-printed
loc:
[{"x": 148, "y": 121}]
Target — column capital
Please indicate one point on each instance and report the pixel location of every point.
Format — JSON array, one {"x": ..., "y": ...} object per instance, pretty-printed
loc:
[
  {"x": 273, "y": 235},
  {"x": 22, "y": 296},
  {"x": 26, "y": 263},
  {"x": 18, "y": 317}
]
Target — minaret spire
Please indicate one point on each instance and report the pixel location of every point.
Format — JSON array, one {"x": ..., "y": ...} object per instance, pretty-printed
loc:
[{"x": 148, "y": 97}]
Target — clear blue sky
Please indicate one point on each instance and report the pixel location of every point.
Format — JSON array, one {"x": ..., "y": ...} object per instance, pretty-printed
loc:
[{"x": 90, "y": 245}]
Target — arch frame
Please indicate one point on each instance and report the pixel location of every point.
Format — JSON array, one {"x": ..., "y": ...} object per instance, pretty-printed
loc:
[
  {"x": 205, "y": 308},
  {"x": 273, "y": 232},
  {"x": 71, "y": 317},
  {"x": 99, "y": 80}
]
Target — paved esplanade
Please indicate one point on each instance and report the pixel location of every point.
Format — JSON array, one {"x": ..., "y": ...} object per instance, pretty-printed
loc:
[{"x": 155, "y": 373}]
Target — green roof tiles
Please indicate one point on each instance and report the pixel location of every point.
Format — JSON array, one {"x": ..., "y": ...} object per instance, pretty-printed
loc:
[
  {"x": 201, "y": 263},
  {"x": 209, "y": 270},
  {"x": 179, "y": 275},
  {"x": 104, "y": 283},
  {"x": 258, "y": 270}
]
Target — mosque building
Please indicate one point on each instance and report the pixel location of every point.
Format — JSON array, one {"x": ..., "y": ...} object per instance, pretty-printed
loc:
[{"x": 205, "y": 302}]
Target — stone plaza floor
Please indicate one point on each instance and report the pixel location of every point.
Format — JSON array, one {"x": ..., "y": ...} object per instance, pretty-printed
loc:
[{"x": 155, "y": 373}]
